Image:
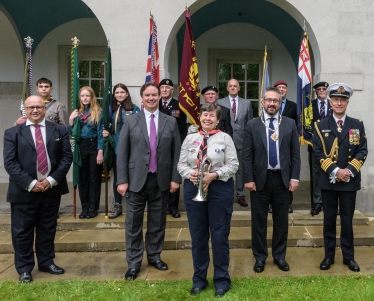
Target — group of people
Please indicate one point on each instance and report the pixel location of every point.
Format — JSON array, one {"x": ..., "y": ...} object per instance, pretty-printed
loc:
[{"x": 155, "y": 148}]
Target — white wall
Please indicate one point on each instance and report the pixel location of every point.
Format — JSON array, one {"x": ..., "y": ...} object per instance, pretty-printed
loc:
[{"x": 11, "y": 55}]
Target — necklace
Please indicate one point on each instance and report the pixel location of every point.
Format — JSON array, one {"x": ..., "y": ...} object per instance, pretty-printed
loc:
[{"x": 273, "y": 136}]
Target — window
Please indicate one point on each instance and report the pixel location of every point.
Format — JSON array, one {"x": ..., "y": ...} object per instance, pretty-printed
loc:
[{"x": 92, "y": 73}]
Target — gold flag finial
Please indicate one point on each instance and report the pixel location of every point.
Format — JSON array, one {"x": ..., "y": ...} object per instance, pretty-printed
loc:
[
  {"x": 75, "y": 42},
  {"x": 28, "y": 41}
]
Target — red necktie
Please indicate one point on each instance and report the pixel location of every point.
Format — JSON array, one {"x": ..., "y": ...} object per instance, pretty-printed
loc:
[
  {"x": 40, "y": 151},
  {"x": 234, "y": 108},
  {"x": 165, "y": 102}
]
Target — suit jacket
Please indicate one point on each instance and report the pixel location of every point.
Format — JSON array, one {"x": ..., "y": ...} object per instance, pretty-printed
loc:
[
  {"x": 134, "y": 152},
  {"x": 225, "y": 122},
  {"x": 317, "y": 116},
  {"x": 20, "y": 161},
  {"x": 351, "y": 153},
  {"x": 244, "y": 113},
  {"x": 290, "y": 110},
  {"x": 180, "y": 116},
  {"x": 255, "y": 153}
]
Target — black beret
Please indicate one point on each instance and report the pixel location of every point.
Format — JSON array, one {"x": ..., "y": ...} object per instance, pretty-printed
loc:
[
  {"x": 208, "y": 88},
  {"x": 321, "y": 84},
  {"x": 166, "y": 81}
]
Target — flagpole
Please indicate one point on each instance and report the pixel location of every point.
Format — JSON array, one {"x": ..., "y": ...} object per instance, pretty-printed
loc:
[{"x": 262, "y": 81}]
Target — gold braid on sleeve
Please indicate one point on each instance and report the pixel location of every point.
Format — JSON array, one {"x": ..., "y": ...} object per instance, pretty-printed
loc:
[
  {"x": 356, "y": 164},
  {"x": 326, "y": 163}
]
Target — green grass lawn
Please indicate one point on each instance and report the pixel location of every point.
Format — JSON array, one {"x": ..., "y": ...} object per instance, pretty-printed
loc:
[{"x": 259, "y": 288}]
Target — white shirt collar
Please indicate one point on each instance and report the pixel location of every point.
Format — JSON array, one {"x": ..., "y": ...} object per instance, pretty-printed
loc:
[
  {"x": 42, "y": 123},
  {"x": 231, "y": 98},
  {"x": 148, "y": 114},
  {"x": 336, "y": 119},
  {"x": 266, "y": 116}
]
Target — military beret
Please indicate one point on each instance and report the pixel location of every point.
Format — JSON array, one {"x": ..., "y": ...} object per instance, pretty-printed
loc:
[
  {"x": 280, "y": 82},
  {"x": 321, "y": 84},
  {"x": 340, "y": 89},
  {"x": 167, "y": 82},
  {"x": 208, "y": 88}
]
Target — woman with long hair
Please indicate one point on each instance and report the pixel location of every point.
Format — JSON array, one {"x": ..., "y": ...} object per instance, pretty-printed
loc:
[
  {"x": 122, "y": 106},
  {"x": 91, "y": 147}
]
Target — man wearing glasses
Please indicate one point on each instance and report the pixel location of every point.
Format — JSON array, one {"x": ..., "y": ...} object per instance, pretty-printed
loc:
[
  {"x": 271, "y": 165},
  {"x": 170, "y": 106},
  {"x": 37, "y": 157},
  {"x": 321, "y": 110}
]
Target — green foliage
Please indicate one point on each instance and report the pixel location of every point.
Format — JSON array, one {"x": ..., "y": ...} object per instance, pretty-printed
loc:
[{"x": 319, "y": 288}]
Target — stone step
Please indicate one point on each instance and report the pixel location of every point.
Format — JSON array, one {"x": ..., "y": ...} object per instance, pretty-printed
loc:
[
  {"x": 179, "y": 238},
  {"x": 67, "y": 222}
]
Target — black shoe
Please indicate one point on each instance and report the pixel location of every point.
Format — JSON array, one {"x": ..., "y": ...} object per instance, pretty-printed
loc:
[
  {"x": 316, "y": 210},
  {"x": 83, "y": 214},
  {"x": 353, "y": 266},
  {"x": 259, "y": 266},
  {"x": 270, "y": 209},
  {"x": 290, "y": 210},
  {"x": 242, "y": 202},
  {"x": 159, "y": 265},
  {"x": 220, "y": 292},
  {"x": 25, "y": 277},
  {"x": 52, "y": 269},
  {"x": 131, "y": 274},
  {"x": 197, "y": 290},
  {"x": 326, "y": 263},
  {"x": 282, "y": 265},
  {"x": 175, "y": 214},
  {"x": 91, "y": 214}
]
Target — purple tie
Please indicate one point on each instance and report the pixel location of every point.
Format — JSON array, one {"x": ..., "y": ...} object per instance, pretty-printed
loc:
[
  {"x": 40, "y": 151},
  {"x": 153, "y": 144}
]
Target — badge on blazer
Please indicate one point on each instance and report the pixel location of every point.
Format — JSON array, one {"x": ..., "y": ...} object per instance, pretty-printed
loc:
[
  {"x": 175, "y": 113},
  {"x": 326, "y": 134},
  {"x": 217, "y": 150},
  {"x": 354, "y": 136}
]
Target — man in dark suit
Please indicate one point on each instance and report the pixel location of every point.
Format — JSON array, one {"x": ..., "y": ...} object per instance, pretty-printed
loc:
[
  {"x": 240, "y": 113},
  {"x": 148, "y": 154},
  {"x": 340, "y": 147},
  {"x": 210, "y": 95},
  {"x": 170, "y": 106},
  {"x": 271, "y": 164},
  {"x": 289, "y": 109},
  {"x": 321, "y": 109},
  {"x": 37, "y": 157}
]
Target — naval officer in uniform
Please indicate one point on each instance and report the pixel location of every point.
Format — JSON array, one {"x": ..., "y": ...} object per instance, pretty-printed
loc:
[{"x": 340, "y": 147}]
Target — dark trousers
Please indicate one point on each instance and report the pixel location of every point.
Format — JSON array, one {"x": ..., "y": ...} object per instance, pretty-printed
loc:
[
  {"x": 278, "y": 196},
  {"x": 156, "y": 201},
  {"x": 117, "y": 196},
  {"x": 315, "y": 169},
  {"x": 211, "y": 217},
  {"x": 174, "y": 200},
  {"x": 90, "y": 175},
  {"x": 346, "y": 201},
  {"x": 39, "y": 217}
]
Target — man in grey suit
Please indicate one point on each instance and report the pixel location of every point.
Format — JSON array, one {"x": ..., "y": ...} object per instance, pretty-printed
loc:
[
  {"x": 271, "y": 164},
  {"x": 240, "y": 113},
  {"x": 148, "y": 154}
]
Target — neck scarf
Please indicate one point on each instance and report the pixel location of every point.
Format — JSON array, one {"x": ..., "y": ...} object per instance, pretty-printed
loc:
[{"x": 203, "y": 150}]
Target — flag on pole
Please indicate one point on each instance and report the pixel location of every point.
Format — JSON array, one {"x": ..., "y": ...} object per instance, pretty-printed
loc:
[
  {"x": 304, "y": 97},
  {"x": 27, "y": 79},
  {"x": 106, "y": 112},
  {"x": 153, "y": 68},
  {"x": 77, "y": 162},
  {"x": 265, "y": 81},
  {"x": 189, "y": 88}
]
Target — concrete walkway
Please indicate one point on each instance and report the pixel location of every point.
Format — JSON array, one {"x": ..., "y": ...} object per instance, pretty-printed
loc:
[{"x": 112, "y": 265}]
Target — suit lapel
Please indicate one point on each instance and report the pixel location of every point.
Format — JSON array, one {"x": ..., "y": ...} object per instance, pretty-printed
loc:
[
  {"x": 143, "y": 125},
  {"x": 262, "y": 131},
  {"x": 49, "y": 129},
  {"x": 281, "y": 133},
  {"x": 26, "y": 133},
  {"x": 333, "y": 126},
  {"x": 346, "y": 127},
  {"x": 161, "y": 125}
]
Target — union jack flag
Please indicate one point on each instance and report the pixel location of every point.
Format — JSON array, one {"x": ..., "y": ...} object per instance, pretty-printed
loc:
[
  {"x": 153, "y": 69},
  {"x": 304, "y": 101}
]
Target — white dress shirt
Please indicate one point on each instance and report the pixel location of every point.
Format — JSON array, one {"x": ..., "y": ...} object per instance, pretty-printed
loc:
[
  {"x": 38, "y": 174},
  {"x": 319, "y": 106}
]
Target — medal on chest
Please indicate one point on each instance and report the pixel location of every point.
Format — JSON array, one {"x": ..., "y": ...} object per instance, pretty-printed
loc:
[{"x": 274, "y": 136}]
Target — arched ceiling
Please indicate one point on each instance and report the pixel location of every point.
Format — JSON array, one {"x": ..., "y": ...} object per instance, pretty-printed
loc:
[
  {"x": 261, "y": 13},
  {"x": 36, "y": 18}
]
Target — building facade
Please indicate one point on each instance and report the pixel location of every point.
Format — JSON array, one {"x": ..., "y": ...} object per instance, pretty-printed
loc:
[{"x": 230, "y": 39}]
